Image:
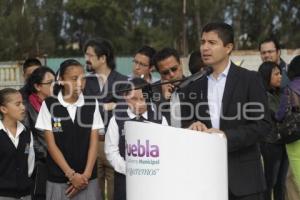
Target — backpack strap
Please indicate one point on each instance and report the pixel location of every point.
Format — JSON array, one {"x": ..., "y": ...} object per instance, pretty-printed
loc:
[{"x": 293, "y": 99}]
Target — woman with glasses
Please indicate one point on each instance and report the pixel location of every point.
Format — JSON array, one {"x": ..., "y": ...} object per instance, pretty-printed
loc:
[{"x": 38, "y": 87}]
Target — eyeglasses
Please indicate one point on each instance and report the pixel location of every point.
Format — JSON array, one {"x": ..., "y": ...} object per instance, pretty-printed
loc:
[
  {"x": 168, "y": 71},
  {"x": 48, "y": 82},
  {"x": 268, "y": 51},
  {"x": 139, "y": 63}
]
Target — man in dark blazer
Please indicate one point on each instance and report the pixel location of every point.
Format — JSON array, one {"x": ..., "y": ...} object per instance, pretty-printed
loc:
[
  {"x": 100, "y": 84},
  {"x": 230, "y": 101},
  {"x": 168, "y": 64}
]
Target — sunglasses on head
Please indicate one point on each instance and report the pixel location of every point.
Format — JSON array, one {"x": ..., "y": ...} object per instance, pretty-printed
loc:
[{"x": 168, "y": 71}]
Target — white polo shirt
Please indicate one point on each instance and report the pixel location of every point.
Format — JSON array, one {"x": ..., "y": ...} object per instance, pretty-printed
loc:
[{"x": 43, "y": 121}]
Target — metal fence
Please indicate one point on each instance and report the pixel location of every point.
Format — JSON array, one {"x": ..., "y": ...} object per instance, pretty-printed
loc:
[
  {"x": 10, "y": 75},
  {"x": 11, "y": 72}
]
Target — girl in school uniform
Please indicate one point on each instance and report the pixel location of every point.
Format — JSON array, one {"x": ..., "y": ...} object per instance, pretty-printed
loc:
[
  {"x": 71, "y": 123},
  {"x": 16, "y": 148}
]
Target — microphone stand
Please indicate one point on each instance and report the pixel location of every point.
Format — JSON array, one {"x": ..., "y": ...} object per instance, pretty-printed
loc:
[{"x": 147, "y": 88}]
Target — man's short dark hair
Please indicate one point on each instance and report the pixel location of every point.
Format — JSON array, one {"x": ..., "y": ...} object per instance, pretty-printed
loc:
[
  {"x": 102, "y": 47},
  {"x": 163, "y": 54},
  {"x": 270, "y": 39},
  {"x": 29, "y": 62},
  {"x": 147, "y": 51},
  {"x": 224, "y": 31}
]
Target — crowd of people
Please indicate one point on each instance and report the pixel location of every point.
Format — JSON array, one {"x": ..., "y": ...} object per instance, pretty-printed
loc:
[{"x": 62, "y": 134}]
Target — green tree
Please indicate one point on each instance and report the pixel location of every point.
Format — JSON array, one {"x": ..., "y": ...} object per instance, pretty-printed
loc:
[{"x": 55, "y": 27}]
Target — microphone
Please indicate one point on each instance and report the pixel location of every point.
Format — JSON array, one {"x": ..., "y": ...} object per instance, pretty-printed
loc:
[{"x": 206, "y": 71}]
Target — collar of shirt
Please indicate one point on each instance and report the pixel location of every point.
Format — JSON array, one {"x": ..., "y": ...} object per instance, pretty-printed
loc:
[
  {"x": 215, "y": 93},
  {"x": 20, "y": 128},
  {"x": 283, "y": 65},
  {"x": 223, "y": 74},
  {"x": 78, "y": 103},
  {"x": 132, "y": 115},
  {"x": 152, "y": 78}
]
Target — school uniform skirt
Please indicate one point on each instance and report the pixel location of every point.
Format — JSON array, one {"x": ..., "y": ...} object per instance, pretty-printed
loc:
[{"x": 56, "y": 191}]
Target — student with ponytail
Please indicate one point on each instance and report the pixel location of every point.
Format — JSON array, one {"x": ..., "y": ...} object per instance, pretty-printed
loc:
[
  {"x": 71, "y": 123},
  {"x": 16, "y": 148}
]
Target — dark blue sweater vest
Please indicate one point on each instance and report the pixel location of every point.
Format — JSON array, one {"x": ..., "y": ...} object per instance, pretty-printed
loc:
[
  {"x": 72, "y": 138},
  {"x": 14, "y": 180}
]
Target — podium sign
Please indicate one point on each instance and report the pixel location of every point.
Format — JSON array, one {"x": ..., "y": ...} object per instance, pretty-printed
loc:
[{"x": 166, "y": 163}]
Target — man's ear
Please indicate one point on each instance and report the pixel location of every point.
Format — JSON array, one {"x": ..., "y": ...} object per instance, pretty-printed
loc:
[
  {"x": 125, "y": 95},
  {"x": 103, "y": 59},
  {"x": 229, "y": 48}
]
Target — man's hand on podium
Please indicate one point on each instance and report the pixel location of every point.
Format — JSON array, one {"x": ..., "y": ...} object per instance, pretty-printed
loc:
[
  {"x": 198, "y": 126},
  {"x": 216, "y": 131}
]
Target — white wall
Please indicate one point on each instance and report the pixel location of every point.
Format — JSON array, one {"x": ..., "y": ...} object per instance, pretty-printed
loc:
[
  {"x": 10, "y": 75},
  {"x": 10, "y": 72}
]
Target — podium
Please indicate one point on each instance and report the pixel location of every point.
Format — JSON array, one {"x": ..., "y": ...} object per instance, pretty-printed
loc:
[{"x": 166, "y": 163}]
